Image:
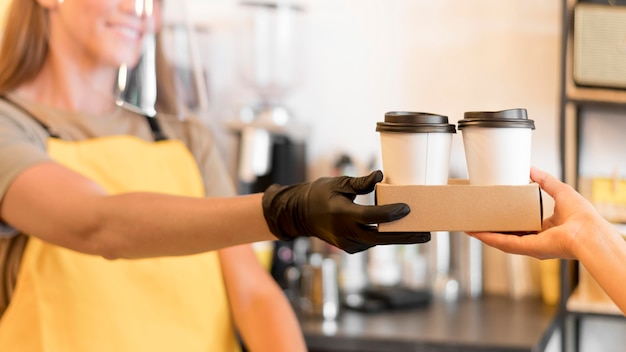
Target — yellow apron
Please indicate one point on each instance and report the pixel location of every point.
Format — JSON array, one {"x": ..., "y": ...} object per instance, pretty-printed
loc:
[{"x": 66, "y": 301}]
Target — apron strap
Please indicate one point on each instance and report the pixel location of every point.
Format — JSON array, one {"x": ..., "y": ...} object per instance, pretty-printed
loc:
[
  {"x": 157, "y": 133},
  {"x": 28, "y": 113}
]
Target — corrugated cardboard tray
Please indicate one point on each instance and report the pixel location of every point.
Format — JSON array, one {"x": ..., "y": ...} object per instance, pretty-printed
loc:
[{"x": 460, "y": 206}]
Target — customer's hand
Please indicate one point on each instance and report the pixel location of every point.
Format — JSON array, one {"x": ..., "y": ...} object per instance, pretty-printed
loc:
[
  {"x": 325, "y": 209},
  {"x": 563, "y": 233}
]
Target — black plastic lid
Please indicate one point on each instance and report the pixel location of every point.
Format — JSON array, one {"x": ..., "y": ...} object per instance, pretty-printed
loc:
[
  {"x": 415, "y": 122},
  {"x": 511, "y": 118}
]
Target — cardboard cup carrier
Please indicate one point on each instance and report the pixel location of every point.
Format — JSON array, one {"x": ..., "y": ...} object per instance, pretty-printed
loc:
[{"x": 497, "y": 197}]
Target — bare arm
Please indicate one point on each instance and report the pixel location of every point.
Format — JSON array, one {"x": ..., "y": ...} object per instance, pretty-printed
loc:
[
  {"x": 60, "y": 206},
  {"x": 261, "y": 311},
  {"x": 574, "y": 231}
]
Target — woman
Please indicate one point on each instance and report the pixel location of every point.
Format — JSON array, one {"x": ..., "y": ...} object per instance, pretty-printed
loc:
[
  {"x": 574, "y": 231},
  {"x": 88, "y": 180}
]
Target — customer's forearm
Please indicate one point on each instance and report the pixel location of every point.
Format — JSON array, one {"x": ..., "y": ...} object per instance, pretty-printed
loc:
[{"x": 603, "y": 253}]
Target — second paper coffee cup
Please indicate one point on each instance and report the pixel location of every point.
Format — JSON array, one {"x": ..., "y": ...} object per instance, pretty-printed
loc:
[
  {"x": 497, "y": 146},
  {"x": 415, "y": 147}
]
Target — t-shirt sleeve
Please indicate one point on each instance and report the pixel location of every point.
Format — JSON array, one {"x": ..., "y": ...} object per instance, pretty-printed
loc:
[{"x": 22, "y": 145}]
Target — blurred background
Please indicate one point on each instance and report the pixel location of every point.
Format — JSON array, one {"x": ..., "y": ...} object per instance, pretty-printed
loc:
[
  {"x": 358, "y": 59},
  {"x": 333, "y": 68},
  {"x": 293, "y": 91}
]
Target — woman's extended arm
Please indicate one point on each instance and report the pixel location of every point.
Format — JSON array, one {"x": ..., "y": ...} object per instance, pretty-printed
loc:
[{"x": 60, "y": 206}]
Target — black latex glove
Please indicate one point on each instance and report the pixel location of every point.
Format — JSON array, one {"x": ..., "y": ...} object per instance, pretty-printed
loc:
[{"x": 325, "y": 209}]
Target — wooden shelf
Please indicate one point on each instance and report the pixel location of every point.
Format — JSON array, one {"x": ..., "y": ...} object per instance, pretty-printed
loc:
[
  {"x": 589, "y": 298},
  {"x": 584, "y": 95},
  {"x": 579, "y": 302}
]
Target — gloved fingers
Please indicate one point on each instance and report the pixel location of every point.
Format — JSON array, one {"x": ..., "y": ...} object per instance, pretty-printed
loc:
[
  {"x": 351, "y": 246},
  {"x": 369, "y": 236},
  {"x": 375, "y": 214},
  {"x": 360, "y": 185},
  {"x": 360, "y": 238},
  {"x": 372, "y": 235},
  {"x": 403, "y": 237}
]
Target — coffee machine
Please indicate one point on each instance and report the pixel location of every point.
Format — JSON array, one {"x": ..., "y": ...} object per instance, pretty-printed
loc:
[
  {"x": 270, "y": 141},
  {"x": 271, "y": 148}
]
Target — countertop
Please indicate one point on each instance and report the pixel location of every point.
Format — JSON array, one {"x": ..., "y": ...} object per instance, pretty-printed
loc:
[{"x": 487, "y": 324}]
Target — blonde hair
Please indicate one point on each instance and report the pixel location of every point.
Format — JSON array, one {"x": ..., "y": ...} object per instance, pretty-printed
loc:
[
  {"x": 24, "y": 43},
  {"x": 24, "y": 46}
]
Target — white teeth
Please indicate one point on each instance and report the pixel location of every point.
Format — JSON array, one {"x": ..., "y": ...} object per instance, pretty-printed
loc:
[{"x": 128, "y": 32}]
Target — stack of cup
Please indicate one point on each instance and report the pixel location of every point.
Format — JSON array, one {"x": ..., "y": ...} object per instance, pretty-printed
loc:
[{"x": 498, "y": 152}]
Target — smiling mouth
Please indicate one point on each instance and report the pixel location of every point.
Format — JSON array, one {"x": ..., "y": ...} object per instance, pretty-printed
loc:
[
  {"x": 128, "y": 32},
  {"x": 126, "y": 29}
]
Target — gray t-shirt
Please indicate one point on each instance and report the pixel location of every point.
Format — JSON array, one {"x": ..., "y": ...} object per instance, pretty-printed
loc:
[{"x": 23, "y": 139}]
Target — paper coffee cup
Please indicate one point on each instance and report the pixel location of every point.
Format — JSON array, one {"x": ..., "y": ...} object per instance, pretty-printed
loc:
[
  {"x": 497, "y": 146},
  {"x": 415, "y": 148}
]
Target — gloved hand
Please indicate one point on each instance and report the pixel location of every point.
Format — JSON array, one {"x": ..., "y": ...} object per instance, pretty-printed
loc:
[{"x": 325, "y": 209}]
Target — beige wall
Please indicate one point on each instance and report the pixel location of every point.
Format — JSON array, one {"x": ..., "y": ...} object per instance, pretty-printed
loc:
[
  {"x": 366, "y": 57},
  {"x": 448, "y": 56}
]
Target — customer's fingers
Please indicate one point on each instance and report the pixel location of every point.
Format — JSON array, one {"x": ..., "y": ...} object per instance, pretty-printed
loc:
[{"x": 549, "y": 183}]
